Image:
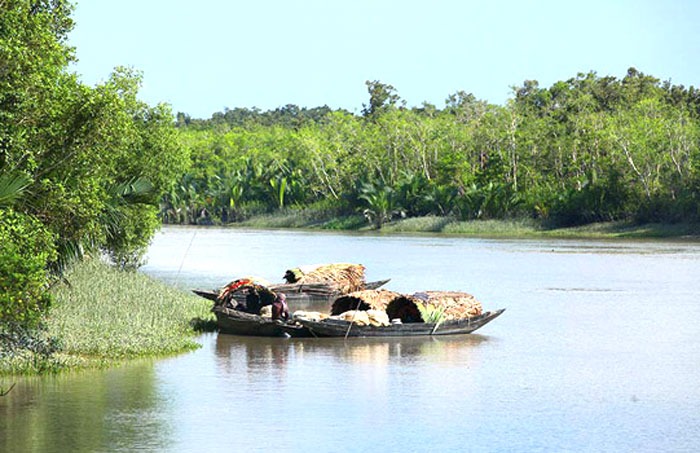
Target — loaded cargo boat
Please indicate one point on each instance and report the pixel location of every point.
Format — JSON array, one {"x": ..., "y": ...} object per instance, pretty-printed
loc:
[
  {"x": 341, "y": 328},
  {"x": 299, "y": 294},
  {"x": 382, "y": 313},
  {"x": 249, "y": 307},
  {"x": 246, "y": 305},
  {"x": 310, "y": 284}
]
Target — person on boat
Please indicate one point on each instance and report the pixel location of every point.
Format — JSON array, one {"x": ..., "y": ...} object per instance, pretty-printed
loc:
[
  {"x": 280, "y": 310},
  {"x": 252, "y": 302}
]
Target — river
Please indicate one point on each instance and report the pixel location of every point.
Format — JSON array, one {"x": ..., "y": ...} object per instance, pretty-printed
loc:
[{"x": 598, "y": 350}]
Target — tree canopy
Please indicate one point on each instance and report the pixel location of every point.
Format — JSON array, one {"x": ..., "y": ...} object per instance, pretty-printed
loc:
[
  {"x": 82, "y": 168},
  {"x": 586, "y": 149}
]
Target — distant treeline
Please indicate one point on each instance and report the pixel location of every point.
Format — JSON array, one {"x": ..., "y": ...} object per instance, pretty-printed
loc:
[
  {"x": 586, "y": 149},
  {"x": 291, "y": 116}
]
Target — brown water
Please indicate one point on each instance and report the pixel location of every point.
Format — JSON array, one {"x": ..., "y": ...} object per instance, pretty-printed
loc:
[{"x": 598, "y": 350}]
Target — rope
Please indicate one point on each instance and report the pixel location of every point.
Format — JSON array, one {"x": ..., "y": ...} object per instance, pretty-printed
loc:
[
  {"x": 352, "y": 320},
  {"x": 185, "y": 255}
]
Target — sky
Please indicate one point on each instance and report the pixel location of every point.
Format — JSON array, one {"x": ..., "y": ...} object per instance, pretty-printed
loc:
[{"x": 207, "y": 55}]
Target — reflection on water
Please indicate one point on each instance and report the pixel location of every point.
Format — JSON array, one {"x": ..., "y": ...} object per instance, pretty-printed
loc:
[
  {"x": 91, "y": 411},
  {"x": 264, "y": 356},
  {"x": 598, "y": 351}
]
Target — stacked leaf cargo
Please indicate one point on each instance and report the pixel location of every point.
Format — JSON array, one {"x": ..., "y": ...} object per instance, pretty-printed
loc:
[
  {"x": 324, "y": 280},
  {"x": 304, "y": 283},
  {"x": 427, "y": 306}
]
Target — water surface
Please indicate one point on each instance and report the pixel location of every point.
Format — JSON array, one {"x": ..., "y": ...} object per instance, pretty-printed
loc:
[{"x": 598, "y": 350}]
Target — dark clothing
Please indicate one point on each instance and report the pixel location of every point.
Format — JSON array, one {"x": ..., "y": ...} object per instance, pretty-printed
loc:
[{"x": 252, "y": 303}]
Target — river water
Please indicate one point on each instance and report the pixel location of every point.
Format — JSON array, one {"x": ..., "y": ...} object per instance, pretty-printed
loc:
[{"x": 598, "y": 350}]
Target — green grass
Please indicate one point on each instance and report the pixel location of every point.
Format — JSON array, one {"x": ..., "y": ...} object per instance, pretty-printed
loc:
[
  {"x": 304, "y": 218},
  {"x": 427, "y": 224},
  {"x": 629, "y": 230},
  {"x": 283, "y": 219},
  {"x": 512, "y": 228},
  {"x": 451, "y": 226},
  {"x": 354, "y": 222},
  {"x": 102, "y": 316},
  {"x": 495, "y": 228}
]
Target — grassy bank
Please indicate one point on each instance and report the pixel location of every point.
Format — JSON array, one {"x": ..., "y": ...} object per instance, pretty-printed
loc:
[
  {"x": 101, "y": 316},
  {"x": 477, "y": 228},
  {"x": 530, "y": 228}
]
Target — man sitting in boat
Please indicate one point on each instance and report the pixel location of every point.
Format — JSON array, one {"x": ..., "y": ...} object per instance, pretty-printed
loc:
[{"x": 280, "y": 310}]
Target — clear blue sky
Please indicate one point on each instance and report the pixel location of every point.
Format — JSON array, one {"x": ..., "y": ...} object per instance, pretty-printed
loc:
[{"x": 202, "y": 56}]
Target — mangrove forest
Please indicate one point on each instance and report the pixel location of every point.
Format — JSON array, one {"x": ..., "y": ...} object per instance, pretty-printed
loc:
[{"x": 587, "y": 149}]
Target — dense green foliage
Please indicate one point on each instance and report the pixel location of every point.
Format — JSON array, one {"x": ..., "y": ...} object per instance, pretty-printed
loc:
[
  {"x": 81, "y": 168},
  {"x": 583, "y": 150},
  {"x": 26, "y": 250}
]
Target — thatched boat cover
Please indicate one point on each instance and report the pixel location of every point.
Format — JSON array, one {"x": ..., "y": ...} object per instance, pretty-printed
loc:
[
  {"x": 345, "y": 277},
  {"x": 248, "y": 285},
  {"x": 370, "y": 299},
  {"x": 456, "y": 305}
]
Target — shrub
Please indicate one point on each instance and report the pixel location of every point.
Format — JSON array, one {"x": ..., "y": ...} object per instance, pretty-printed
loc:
[{"x": 27, "y": 248}]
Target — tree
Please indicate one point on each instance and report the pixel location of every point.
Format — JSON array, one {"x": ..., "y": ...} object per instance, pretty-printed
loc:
[
  {"x": 65, "y": 147},
  {"x": 27, "y": 248},
  {"x": 382, "y": 97}
]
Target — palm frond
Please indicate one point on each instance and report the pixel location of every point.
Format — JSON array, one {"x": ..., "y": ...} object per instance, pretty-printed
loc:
[
  {"x": 69, "y": 252},
  {"x": 431, "y": 314},
  {"x": 12, "y": 187},
  {"x": 133, "y": 191}
]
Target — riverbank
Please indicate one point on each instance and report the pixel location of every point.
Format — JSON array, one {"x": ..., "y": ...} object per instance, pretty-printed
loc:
[
  {"x": 517, "y": 228},
  {"x": 101, "y": 316}
]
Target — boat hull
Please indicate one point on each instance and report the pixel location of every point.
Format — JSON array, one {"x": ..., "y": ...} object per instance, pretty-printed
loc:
[
  {"x": 340, "y": 328},
  {"x": 236, "y": 322}
]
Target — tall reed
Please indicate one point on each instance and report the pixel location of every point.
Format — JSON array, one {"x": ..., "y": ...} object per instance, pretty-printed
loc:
[
  {"x": 103, "y": 312},
  {"x": 102, "y": 315}
]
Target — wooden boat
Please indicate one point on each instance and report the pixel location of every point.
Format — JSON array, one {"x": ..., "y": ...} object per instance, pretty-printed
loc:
[
  {"x": 298, "y": 294},
  {"x": 338, "y": 328},
  {"x": 410, "y": 315},
  {"x": 237, "y": 322}
]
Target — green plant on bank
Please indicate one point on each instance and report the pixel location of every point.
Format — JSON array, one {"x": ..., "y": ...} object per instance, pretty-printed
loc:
[
  {"x": 26, "y": 249},
  {"x": 522, "y": 227},
  {"x": 509, "y": 228},
  {"x": 106, "y": 313},
  {"x": 101, "y": 316},
  {"x": 381, "y": 203},
  {"x": 74, "y": 161},
  {"x": 31, "y": 351},
  {"x": 425, "y": 224},
  {"x": 12, "y": 186}
]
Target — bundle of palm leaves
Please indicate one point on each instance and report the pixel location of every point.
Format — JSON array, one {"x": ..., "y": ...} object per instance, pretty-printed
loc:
[
  {"x": 343, "y": 277},
  {"x": 432, "y": 307},
  {"x": 452, "y": 304}
]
